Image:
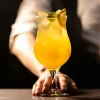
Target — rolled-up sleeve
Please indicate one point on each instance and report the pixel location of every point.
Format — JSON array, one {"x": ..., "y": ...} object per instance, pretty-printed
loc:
[
  {"x": 25, "y": 20},
  {"x": 89, "y": 13}
]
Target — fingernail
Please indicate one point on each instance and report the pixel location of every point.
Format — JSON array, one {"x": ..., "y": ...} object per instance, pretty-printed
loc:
[
  {"x": 64, "y": 89},
  {"x": 37, "y": 92},
  {"x": 33, "y": 92},
  {"x": 74, "y": 85}
]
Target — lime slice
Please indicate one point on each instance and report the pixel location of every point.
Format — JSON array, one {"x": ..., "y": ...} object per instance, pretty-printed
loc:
[{"x": 52, "y": 16}]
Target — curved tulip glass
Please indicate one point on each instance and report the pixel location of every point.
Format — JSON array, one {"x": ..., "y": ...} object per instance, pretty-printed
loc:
[{"x": 52, "y": 46}]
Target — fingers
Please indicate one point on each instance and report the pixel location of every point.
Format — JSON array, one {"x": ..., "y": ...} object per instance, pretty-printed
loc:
[
  {"x": 67, "y": 83},
  {"x": 37, "y": 87},
  {"x": 46, "y": 84},
  {"x": 63, "y": 81},
  {"x": 33, "y": 89},
  {"x": 41, "y": 86},
  {"x": 72, "y": 86},
  {"x": 72, "y": 83}
]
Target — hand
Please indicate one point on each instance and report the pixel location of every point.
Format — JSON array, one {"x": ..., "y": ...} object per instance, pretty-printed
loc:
[{"x": 42, "y": 85}]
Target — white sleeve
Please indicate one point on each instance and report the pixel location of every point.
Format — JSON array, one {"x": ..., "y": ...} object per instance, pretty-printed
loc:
[{"x": 25, "y": 20}]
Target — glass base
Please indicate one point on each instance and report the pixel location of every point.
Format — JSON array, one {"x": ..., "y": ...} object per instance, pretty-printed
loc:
[{"x": 55, "y": 93}]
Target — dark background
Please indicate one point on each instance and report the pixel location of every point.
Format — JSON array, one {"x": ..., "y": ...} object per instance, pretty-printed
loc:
[
  {"x": 81, "y": 66},
  {"x": 12, "y": 73}
]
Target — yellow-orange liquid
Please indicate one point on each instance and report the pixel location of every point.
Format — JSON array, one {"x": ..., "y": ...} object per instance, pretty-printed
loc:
[{"x": 52, "y": 47}]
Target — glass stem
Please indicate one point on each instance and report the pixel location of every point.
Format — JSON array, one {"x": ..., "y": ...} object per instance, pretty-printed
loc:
[{"x": 54, "y": 85}]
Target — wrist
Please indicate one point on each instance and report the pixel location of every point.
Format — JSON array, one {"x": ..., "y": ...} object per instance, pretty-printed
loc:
[{"x": 42, "y": 71}]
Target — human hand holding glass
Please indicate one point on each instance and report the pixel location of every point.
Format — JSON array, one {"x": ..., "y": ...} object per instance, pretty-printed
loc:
[{"x": 52, "y": 46}]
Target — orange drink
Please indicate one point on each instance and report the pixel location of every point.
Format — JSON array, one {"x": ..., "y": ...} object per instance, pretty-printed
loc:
[{"x": 52, "y": 47}]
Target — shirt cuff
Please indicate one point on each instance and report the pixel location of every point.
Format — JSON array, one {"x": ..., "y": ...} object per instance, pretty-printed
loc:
[{"x": 20, "y": 29}]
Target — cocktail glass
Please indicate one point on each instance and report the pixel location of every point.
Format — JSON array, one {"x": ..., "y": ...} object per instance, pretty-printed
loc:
[{"x": 52, "y": 46}]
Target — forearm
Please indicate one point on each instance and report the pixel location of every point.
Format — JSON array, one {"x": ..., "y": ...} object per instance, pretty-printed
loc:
[
  {"x": 21, "y": 44},
  {"x": 23, "y": 49}
]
